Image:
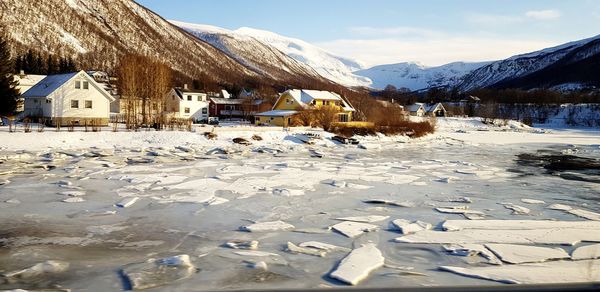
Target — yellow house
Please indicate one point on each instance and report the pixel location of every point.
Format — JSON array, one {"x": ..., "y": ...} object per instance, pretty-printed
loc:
[{"x": 295, "y": 100}]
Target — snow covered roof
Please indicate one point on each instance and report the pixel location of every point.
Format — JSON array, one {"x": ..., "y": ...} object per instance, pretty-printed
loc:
[
  {"x": 180, "y": 91},
  {"x": 28, "y": 80},
  {"x": 305, "y": 97},
  {"x": 277, "y": 113},
  {"x": 219, "y": 100},
  {"x": 48, "y": 85},
  {"x": 415, "y": 107},
  {"x": 51, "y": 83},
  {"x": 434, "y": 107}
]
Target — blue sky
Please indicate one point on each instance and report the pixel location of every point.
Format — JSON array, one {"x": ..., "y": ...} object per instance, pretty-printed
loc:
[{"x": 375, "y": 32}]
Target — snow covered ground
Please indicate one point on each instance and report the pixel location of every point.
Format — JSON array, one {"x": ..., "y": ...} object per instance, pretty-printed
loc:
[{"x": 106, "y": 211}]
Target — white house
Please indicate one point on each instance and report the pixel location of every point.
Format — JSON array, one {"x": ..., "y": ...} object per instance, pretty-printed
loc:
[
  {"x": 65, "y": 99},
  {"x": 185, "y": 103},
  {"x": 24, "y": 83},
  {"x": 436, "y": 110},
  {"x": 417, "y": 110}
]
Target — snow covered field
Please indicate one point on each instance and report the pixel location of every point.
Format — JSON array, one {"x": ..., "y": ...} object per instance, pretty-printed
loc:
[{"x": 107, "y": 211}]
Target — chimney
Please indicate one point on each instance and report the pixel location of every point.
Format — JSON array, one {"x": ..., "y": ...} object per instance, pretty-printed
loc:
[
  {"x": 185, "y": 86},
  {"x": 22, "y": 74}
]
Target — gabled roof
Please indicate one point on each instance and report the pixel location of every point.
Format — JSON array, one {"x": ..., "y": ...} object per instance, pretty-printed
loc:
[
  {"x": 305, "y": 97},
  {"x": 434, "y": 107},
  {"x": 48, "y": 85},
  {"x": 181, "y": 91},
  {"x": 52, "y": 83},
  {"x": 415, "y": 107}
]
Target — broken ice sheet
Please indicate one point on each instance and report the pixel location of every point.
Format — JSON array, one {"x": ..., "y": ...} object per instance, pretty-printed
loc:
[
  {"x": 408, "y": 227},
  {"x": 364, "y": 219},
  {"x": 305, "y": 250},
  {"x": 268, "y": 227},
  {"x": 467, "y": 250},
  {"x": 533, "y": 201},
  {"x": 358, "y": 264},
  {"x": 354, "y": 229},
  {"x": 323, "y": 246},
  {"x": 242, "y": 244},
  {"x": 586, "y": 252},
  {"x": 155, "y": 273},
  {"x": 517, "y": 210},
  {"x": 519, "y": 254},
  {"x": 387, "y": 202},
  {"x": 36, "y": 271},
  {"x": 558, "y": 272}
]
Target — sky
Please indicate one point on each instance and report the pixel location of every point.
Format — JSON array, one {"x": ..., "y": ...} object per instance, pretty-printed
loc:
[{"x": 430, "y": 32}]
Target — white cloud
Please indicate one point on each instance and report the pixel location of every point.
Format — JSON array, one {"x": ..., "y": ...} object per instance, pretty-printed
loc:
[
  {"x": 549, "y": 14},
  {"x": 398, "y": 31},
  {"x": 500, "y": 19},
  {"x": 433, "y": 51}
]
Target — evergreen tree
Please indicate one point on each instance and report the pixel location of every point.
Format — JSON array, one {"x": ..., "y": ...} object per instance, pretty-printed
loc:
[
  {"x": 39, "y": 67},
  {"x": 8, "y": 91},
  {"x": 29, "y": 61},
  {"x": 51, "y": 66}
]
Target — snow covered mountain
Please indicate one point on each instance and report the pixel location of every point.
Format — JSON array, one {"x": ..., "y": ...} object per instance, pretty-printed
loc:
[
  {"x": 415, "y": 76},
  {"x": 570, "y": 63},
  {"x": 98, "y": 32},
  {"x": 249, "y": 51},
  {"x": 260, "y": 48}
]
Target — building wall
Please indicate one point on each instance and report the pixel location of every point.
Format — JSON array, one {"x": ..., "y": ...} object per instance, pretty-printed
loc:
[
  {"x": 273, "y": 121},
  {"x": 62, "y": 98},
  {"x": 287, "y": 102}
]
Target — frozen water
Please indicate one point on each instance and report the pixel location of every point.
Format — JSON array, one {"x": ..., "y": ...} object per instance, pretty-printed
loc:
[{"x": 358, "y": 264}]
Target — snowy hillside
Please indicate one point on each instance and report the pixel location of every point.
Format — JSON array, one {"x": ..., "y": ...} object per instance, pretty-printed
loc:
[
  {"x": 523, "y": 65},
  {"x": 258, "y": 48},
  {"x": 416, "y": 77},
  {"x": 249, "y": 51},
  {"x": 330, "y": 66},
  {"x": 97, "y": 33}
]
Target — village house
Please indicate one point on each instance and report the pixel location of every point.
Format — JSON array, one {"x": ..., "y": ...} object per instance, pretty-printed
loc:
[
  {"x": 68, "y": 99},
  {"x": 432, "y": 110},
  {"x": 436, "y": 110},
  {"x": 293, "y": 101},
  {"x": 226, "y": 107},
  {"x": 417, "y": 110},
  {"x": 24, "y": 83},
  {"x": 185, "y": 103}
]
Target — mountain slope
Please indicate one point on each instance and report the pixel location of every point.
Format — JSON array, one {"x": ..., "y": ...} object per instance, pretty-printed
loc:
[
  {"x": 254, "y": 54},
  {"x": 538, "y": 65},
  {"x": 417, "y": 77},
  {"x": 98, "y": 32},
  {"x": 335, "y": 68}
]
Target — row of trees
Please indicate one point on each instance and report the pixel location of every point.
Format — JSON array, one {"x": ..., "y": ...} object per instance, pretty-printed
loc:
[
  {"x": 143, "y": 83},
  {"x": 36, "y": 63}
]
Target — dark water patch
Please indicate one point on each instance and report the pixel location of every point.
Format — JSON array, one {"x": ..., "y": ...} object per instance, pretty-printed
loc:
[{"x": 566, "y": 166}]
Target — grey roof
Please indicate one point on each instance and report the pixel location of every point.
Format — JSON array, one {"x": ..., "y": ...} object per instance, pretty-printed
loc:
[
  {"x": 277, "y": 113},
  {"x": 48, "y": 85},
  {"x": 220, "y": 100},
  {"x": 415, "y": 107}
]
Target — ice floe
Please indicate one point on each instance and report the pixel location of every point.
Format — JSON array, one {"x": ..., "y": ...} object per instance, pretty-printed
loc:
[
  {"x": 533, "y": 201},
  {"x": 305, "y": 250},
  {"x": 358, "y": 264},
  {"x": 560, "y": 207},
  {"x": 73, "y": 200},
  {"x": 388, "y": 202},
  {"x": 354, "y": 229},
  {"x": 586, "y": 252},
  {"x": 36, "y": 271},
  {"x": 558, "y": 272},
  {"x": 585, "y": 214},
  {"x": 268, "y": 227},
  {"x": 155, "y": 273},
  {"x": 455, "y": 225},
  {"x": 519, "y": 254},
  {"x": 242, "y": 244},
  {"x": 408, "y": 227},
  {"x": 467, "y": 250},
  {"x": 323, "y": 246},
  {"x": 127, "y": 202},
  {"x": 364, "y": 219},
  {"x": 517, "y": 210}
]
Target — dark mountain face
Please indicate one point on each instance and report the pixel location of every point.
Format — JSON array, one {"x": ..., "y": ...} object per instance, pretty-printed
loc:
[
  {"x": 573, "y": 63},
  {"x": 98, "y": 32},
  {"x": 581, "y": 66}
]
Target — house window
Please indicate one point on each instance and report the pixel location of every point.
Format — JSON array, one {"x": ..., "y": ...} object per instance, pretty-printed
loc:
[
  {"x": 74, "y": 103},
  {"x": 257, "y": 119},
  {"x": 77, "y": 84},
  {"x": 343, "y": 118},
  {"x": 228, "y": 108},
  {"x": 314, "y": 102},
  {"x": 288, "y": 101},
  {"x": 86, "y": 85},
  {"x": 189, "y": 97},
  {"x": 186, "y": 110},
  {"x": 48, "y": 101},
  {"x": 88, "y": 104},
  {"x": 199, "y": 98},
  {"x": 204, "y": 111}
]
